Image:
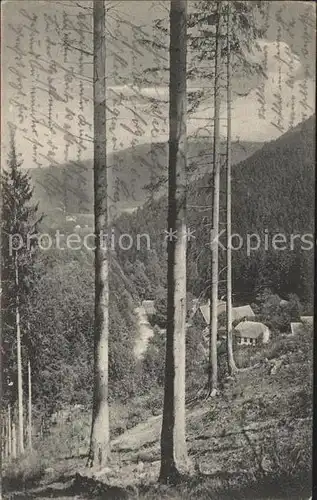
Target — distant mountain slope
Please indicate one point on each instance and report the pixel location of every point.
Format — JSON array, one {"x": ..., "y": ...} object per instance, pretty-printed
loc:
[
  {"x": 131, "y": 170},
  {"x": 273, "y": 192},
  {"x": 278, "y": 181}
]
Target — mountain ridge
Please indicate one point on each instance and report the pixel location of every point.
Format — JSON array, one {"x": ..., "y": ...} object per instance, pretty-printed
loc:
[{"x": 131, "y": 172}]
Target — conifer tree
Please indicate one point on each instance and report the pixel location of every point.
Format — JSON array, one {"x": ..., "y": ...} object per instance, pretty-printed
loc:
[{"x": 19, "y": 228}]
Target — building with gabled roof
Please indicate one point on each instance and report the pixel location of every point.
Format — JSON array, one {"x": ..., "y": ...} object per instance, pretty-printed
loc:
[
  {"x": 242, "y": 312},
  {"x": 238, "y": 313},
  {"x": 148, "y": 306},
  {"x": 252, "y": 333}
]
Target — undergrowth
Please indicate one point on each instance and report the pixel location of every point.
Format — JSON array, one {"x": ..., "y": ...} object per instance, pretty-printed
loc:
[{"x": 278, "y": 460}]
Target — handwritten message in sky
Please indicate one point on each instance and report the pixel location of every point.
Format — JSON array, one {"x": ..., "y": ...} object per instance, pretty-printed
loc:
[
  {"x": 285, "y": 97},
  {"x": 48, "y": 88}
]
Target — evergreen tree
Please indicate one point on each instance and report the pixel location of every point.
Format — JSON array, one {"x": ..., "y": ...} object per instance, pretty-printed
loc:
[{"x": 19, "y": 228}]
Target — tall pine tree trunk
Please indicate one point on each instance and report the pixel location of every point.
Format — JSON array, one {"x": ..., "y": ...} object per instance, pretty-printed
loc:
[
  {"x": 231, "y": 363},
  {"x": 213, "y": 324},
  {"x": 100, "y": 441},
  {"x": 9, "y": 430},
  {"x": 173, "y": 438},
  {"x": 29, "y": 406},
  {"x": 19, "y": 357}
]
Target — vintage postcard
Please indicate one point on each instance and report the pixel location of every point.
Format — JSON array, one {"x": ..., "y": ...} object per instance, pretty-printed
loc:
[{"x": 157, "y": 249}]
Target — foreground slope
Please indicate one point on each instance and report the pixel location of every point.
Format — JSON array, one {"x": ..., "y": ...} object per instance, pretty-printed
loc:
[{"x": 253, "y": 441}]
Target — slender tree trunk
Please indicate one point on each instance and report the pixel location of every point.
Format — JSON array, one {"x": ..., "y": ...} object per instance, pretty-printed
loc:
[
  {"x": 231, "y": 364},
  {"x": 1, "y": 480},
  {"x": 174, "y": 459},
  {"x": 213, "y": 325},
  {"x": 5, "y": 437},
  {"x": 2, "y": 434},
  {"x": 9, "y": 431},
  {"x": 19, "y": 358},
  {"x": 29, "y": 406},
  {"x": 14, "y": 441},
  {"x": 100, "y": 441}
]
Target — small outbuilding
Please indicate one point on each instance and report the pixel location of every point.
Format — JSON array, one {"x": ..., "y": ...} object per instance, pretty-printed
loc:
[
  {"x": 148, "y": 306},
  {"x": 297, "y": 328},
  {"x": 307, "y": 320}
]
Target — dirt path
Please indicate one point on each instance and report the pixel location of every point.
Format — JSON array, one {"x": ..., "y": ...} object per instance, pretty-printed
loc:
[{"x": 145, "y": 332}]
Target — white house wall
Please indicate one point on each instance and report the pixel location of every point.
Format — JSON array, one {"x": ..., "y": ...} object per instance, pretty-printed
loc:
[{"x": 266, "y": 336}]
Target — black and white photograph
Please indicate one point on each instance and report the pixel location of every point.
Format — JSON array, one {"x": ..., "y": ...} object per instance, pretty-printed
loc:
[{"x": 157, "y": 249}]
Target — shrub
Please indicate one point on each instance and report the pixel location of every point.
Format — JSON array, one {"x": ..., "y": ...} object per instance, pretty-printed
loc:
[
  {"x": 23, "y": 472},
  {"x": 278, "y": 314},
  {"x": 153, "y": 361}
]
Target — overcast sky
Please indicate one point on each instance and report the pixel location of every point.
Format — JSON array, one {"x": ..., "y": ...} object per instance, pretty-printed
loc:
[{"x": 33, "y": 51}]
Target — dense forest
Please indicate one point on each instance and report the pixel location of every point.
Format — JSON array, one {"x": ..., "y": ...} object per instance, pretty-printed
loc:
[{"x": 272, "y": 192}]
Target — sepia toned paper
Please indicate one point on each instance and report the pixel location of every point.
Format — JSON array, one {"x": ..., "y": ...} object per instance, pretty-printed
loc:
[{"x": 253, "y": 437}]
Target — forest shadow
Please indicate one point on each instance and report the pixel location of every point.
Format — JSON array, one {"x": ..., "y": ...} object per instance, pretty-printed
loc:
[
  {"x": 233, "y": 486},
  {"x": 80, "y": 456},
  {"x": 216, "y": 486},
  {"x": 75, "y": 486}
]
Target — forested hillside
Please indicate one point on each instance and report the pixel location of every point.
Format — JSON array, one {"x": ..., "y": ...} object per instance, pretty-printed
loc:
[
  {"x": 60, "y": 331},
  {"x": 272, "y": 193}
]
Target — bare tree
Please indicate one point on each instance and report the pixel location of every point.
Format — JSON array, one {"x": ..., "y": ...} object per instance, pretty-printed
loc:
[
  {"x": 14, "y": 441},
  {"x": 100, "y": 440},
  {"x": 29, "y": 406},
  {"x": 19, "y": 356},
  {"x": 213, "y": 324},
  {"x": 173, "y": 438},
  {"x": 4, "y": 437},
  {"x": 9, "y": 430},
  {"x": 231, "y": 363}
]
